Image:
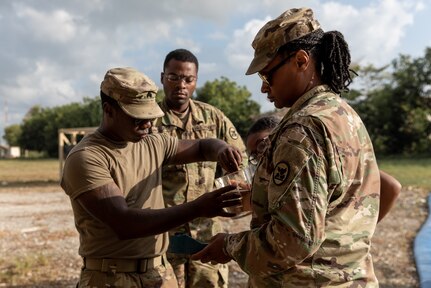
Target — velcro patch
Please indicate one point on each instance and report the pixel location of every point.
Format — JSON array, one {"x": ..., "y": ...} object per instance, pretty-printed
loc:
[
  {"x": 280, "y": 174},
  {"x": 233, "y": 134}
]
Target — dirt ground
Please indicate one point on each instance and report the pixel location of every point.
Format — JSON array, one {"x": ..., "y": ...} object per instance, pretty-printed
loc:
[{"x": 39, "y": 242}]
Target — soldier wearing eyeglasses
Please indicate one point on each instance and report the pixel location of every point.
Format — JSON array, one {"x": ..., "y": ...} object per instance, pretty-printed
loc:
[{"x": 190, "y": 119}]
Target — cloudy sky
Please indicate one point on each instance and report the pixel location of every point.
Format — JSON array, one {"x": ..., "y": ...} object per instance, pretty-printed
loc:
[{"x": 57, "y": 52}]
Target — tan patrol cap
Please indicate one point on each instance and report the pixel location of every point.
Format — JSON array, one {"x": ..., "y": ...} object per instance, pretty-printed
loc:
[
  {"x": 292, "y": 24},
  {"x": 134, "y": 91}
]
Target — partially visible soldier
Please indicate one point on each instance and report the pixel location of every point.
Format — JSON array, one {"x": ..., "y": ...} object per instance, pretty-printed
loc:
[
  {"x": 316, "y": 189},
  {"x": 189, "y": 119},
  {"x": 257, "y": 139}
]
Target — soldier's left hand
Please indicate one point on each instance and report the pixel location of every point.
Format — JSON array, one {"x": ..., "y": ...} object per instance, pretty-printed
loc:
[
  {"x": 229, "y": 158},
  {"x": 214, "y": 252}
]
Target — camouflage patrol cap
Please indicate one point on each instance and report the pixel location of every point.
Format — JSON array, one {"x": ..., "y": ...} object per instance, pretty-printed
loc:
[
  {"x": 134, "y": 91},
  {"x": 292, "y": 24}
]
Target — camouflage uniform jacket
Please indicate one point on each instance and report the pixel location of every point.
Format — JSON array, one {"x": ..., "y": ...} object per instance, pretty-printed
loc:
[
  {"x": 182, "y": 183},
  {"x": 315, "y": 200}
]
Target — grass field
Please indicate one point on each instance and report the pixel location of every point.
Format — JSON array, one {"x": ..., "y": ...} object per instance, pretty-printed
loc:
[
  {"x": 34, "y": 171},
  {"x": 414, "y": 172},
  {"x": 409, "y": 171}
]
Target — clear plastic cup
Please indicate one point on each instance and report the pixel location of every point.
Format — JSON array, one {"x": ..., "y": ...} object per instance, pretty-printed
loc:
[{"x": 243, "y": 179}]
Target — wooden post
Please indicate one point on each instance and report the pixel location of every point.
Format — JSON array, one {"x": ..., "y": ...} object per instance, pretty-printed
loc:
[{"x": 63, "y": 139}]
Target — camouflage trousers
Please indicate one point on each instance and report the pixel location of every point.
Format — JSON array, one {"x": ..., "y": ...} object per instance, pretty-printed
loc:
[
  {"x": 195, "y": 274},
  {"x": 161, "y": 276}
]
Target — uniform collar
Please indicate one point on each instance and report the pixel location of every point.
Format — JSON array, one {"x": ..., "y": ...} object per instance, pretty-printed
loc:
[
  {"x": 171, "y": 119},
  {"x": 305, "y": 98},
  {"x": 301, "y": 102}
]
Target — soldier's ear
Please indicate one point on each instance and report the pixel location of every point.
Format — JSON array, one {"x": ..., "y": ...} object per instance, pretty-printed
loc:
[
  {"x": 302, "y": 59},
  {"x": 108, "y": 109}
]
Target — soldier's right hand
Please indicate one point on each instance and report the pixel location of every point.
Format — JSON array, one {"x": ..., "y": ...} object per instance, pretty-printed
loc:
[{"x": 211, "y": 204}]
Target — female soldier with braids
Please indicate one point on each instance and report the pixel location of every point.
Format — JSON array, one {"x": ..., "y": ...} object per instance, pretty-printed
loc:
[{"x": 316, "y": 189}]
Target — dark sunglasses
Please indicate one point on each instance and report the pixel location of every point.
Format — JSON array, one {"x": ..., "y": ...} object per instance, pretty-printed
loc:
[
  {"x": 139, "y": 122},
  {"x": 268, "y": 75}
]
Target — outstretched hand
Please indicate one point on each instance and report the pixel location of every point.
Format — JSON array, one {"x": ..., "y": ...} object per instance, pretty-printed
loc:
[
  {"x": 214, "y": 251},
  {"x": 229, "y": 158},
  {"x": 211, "y": 204}
]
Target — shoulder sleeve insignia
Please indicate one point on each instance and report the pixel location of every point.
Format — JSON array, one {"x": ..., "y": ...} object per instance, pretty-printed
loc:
[
  {"x": 280, "y": 174},
  {"x": 232, "y": 133}
]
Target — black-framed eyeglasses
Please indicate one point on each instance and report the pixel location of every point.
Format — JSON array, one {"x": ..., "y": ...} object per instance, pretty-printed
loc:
[
  {"x": 254, "y": 157},
  {"x": 171, "y": 77},
  {"x": 268, "y": 75}
]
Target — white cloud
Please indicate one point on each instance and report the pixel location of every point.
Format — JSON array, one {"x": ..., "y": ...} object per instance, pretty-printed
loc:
[
  {"x": 218, "y": 35},
  {"x": 56, "y": 52},
  {"x": 239, "y": 51},
  {"x": 56, "y": 26},
  {"x": 374, "y": 32},
  {"x": 189, "y": 44},
  {"x": 420, "y": 6},
  {"x": 218, "y": 11},
  {"x": 206, "y": 68},
  {"x": 44, "y": 84},
  {"x": 141, "y": 35}
]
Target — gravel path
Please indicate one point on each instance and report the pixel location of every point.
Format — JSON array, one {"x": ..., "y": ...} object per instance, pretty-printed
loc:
[{"x": 39, "y": 242}]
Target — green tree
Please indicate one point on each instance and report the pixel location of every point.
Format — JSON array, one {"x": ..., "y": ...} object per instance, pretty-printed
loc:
[
  {"x": 235, "y": 102},
  {"x": 12, "y": 134},
  {"x": 39, "y": 129},
  {"x": 394, "y": 103},
  {"x": 32, "y": 129},
  {"x": 412, "y": 94}
]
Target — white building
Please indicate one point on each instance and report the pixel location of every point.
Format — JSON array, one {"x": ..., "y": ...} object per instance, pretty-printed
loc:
[{"x": 10, "y": 152}]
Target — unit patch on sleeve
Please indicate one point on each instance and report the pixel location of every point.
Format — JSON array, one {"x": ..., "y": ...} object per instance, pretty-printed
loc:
[
  {"x": 280, "y": 174},
  {"x": 233, "y": 134}
]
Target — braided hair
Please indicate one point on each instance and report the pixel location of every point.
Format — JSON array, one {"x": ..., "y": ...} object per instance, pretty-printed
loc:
[{"x": 332, "y": 56}]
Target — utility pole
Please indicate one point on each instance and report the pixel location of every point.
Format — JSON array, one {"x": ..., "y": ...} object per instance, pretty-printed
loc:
[
  {"x": 5, "y": 111},
  {"x": 5, "y": 118}
]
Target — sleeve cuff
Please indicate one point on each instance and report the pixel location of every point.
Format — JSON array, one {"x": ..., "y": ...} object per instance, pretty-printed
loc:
[{"x": 226, "y": 244}]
